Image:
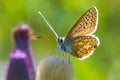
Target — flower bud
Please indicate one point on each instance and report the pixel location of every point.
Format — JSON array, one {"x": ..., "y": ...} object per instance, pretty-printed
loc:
[{"x": 55, "y": 68}]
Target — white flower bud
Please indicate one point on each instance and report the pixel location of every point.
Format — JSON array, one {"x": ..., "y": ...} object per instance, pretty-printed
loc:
[{"x": 55, "y": 68}]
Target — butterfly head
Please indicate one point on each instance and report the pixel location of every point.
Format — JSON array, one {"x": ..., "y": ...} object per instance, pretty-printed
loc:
[{"x": 60, "y": 41}]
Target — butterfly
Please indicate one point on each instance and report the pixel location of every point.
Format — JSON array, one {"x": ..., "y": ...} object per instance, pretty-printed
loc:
[{"x": 80, "y": 41}]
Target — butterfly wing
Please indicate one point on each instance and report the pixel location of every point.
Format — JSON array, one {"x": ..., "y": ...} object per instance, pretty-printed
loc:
[
  {"x": 86, "y": 24},
  {"x": 83, "y": 46}
]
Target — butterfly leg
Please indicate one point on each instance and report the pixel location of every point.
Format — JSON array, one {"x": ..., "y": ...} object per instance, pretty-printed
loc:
[
  {"x": 69, "y": 59},
  {"x": 63, "y": 55},
  {"x": 54, "y": 52}
]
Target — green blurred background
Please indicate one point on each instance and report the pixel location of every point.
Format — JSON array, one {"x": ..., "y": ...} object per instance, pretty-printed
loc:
[{"x": 104, "y": 64}]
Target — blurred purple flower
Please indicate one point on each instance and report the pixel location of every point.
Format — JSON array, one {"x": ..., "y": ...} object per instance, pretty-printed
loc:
[{"x": 20, "y": 66}]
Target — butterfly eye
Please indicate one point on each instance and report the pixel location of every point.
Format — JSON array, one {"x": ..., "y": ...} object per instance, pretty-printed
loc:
[{"x": 61, "y": 40}]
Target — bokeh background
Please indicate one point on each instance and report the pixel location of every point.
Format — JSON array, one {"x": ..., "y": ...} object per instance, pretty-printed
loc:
[{"x": 104, "y": 64}]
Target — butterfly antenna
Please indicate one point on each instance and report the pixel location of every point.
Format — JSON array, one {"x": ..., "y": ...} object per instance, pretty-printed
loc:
[{"x": 48, "y": 24}]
